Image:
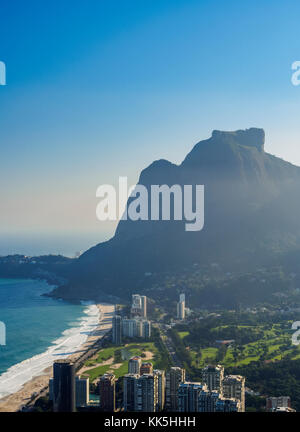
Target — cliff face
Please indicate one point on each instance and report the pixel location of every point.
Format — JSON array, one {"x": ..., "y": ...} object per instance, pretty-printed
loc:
[{"x": 251, "y": 212}]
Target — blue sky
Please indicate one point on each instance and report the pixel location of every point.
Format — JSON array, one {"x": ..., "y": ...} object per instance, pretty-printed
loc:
[{"x": 99, "y": 89}]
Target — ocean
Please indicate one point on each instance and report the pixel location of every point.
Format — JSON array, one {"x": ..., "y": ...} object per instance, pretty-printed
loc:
[{"x": 38, "y": 330}]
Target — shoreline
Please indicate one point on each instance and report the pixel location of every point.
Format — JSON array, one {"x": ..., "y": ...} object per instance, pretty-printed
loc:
[{"x": 36, "y": 385}]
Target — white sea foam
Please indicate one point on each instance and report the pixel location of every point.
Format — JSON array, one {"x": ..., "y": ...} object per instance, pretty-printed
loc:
[{"x": 16, "y": 376}]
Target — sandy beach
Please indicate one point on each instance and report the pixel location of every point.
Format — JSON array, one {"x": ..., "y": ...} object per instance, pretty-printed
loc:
[{"x": 15, "y": 401}]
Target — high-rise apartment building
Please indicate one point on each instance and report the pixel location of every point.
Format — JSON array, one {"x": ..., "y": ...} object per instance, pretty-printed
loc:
[
  {"x": 146, "y": 368},
  {"x": 227, "y": 405},
  {"x": 129, "y": 391},
  {"x": 161, "y": 389},
  {"x": 146, "y": 329},
  {"x": 117, "y": 330},
  {"x": 196, "y": 397},
  {"x": 213, "y": 376},
  {"x": 174, "y": 377},
  {"x": 181, "y": 307},
  {"x": 274, "y": 403},
  {"x": 82, "y": 391},
  {"x": 107, "y": 392},
  {"x": 63, "y": 386},
  {"x": 144, "y": 306},
  {"x": 136, "y": 327},
  {"x": 234, "y": 387},
  {"x": 181, "y": 310},
  {"x": 141, "y": 392},
  {"x": 136, "y": 301},
  {"x": 189, "y": 396},
  {"x": 136, "y": 306},
  {"x": 146, "y": 393},
  {"x": 129, "y": 328},
  {"x": 139, "y": 305},
  {"x": 134, "y": 365},
  {"x": 51, "y": 389}
]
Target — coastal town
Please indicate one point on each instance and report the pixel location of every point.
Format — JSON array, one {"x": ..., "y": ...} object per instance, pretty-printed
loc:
[{"x": 130, "y": 363}]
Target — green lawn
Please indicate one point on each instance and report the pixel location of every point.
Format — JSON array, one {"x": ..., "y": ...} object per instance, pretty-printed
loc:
[
  {"x": 120, "y": 355},
  {"x": 122, "y": 370},
  {"x": 96, "y": 372},
  {"x": 103, "y": 355},
  {"x": 206, "y": 355},
  {"x": 183, "y": 334},
  {"x": 274, "y": 344}
]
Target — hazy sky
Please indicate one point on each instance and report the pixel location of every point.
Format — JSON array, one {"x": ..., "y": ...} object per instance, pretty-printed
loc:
[{"x": 99, "y": 89}]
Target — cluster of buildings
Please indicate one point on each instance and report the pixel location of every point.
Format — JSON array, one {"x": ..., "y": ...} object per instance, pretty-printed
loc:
[
  {"x": 136, "y": 326},
  {"x": 216, "y": 392},
  {"x": 151, "y": 390},
  {"x": 148, "y": 390},
  {"x": 67, "y": 391},
  {"x": 279, "y": 404}
]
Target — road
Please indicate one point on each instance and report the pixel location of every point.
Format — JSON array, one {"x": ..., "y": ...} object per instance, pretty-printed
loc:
[{"x": 167, "y": 341}]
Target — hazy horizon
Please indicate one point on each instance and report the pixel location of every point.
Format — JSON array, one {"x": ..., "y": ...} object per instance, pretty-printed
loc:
[{"x": 96, "y": 91}]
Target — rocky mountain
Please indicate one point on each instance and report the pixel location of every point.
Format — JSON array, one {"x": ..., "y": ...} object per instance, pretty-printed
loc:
[{"x": 251, "y": 212}]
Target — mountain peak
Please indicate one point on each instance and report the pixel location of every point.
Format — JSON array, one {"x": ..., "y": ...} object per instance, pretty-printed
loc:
[
  {"x": 247, "y": 192},
  {"x": 223, "y": 148},
  {"x": 253, "y": 137}
]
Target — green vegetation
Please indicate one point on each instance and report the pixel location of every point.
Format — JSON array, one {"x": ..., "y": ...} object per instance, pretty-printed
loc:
[
  {"x": 183, "y": 334},
  {"x": 211, "y": 286},
  {"x": 181, "y": 350},
  {"x": 265, "y": 349},
  {"x": 248, "y": 339},
  {"x": 116, "y": 358},
  {"x": 262, "y": 351},
  {"x": 275, "y": 379},
  {"x": 96, "y": 372},
  {"x": 235, "y": 339},
  {"x": 163, "y": 360}
]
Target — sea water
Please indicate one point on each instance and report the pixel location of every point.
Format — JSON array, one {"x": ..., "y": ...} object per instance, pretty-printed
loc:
[{"x": 39, "y": 330}]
